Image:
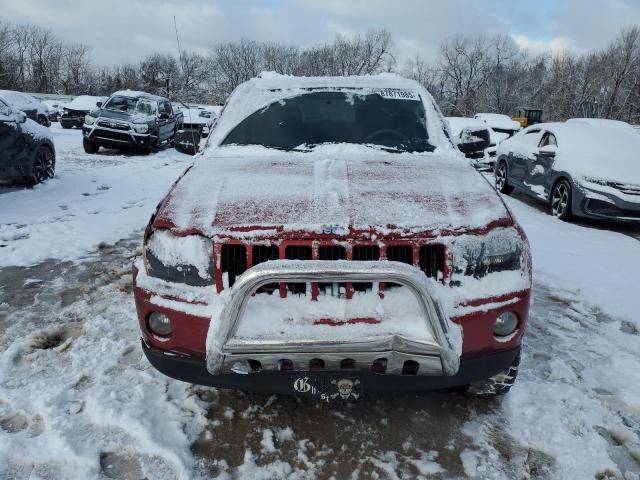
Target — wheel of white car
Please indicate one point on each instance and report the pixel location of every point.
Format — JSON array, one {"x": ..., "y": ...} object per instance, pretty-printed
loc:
[
  {"x": 560, "y": 200},
  {"x": 502, "y": 179}
]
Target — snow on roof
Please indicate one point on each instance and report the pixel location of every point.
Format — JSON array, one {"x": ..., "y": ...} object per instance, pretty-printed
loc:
[
  {"x": 20, "y": 100},
  {"x": 457, "y": 124},
  {"x": 270, "y": 87},
  {"x": 498, "y": 120},
  {"x": 603, "y": 122},
  {"x": 137, "y": 94},
  {"x": 84, "y": 102}
]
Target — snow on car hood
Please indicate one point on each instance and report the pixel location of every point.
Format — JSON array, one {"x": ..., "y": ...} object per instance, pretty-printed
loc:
[
  {"x": 499, "y": 121},
  {"x": 254, "y": 191},
  {"x": 84, "y": 103}
]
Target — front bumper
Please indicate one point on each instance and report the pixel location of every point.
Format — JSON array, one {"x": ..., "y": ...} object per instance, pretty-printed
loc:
[
  {"x": 194, "y": 370},
  {"x": 606, "y": 205},
  {"x": 71, "y": 122},
  {"x": 184, "y": 355},
  {"x": 116, "y": 138}
]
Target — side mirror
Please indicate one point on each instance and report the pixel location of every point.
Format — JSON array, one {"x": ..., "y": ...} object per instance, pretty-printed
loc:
[
  {"x": 548, "y": 150},
  {"x": 99, "y": 104},
  {"x": 21, "y": 116}
]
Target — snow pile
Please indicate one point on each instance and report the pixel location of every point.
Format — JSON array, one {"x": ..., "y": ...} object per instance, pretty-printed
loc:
[
  {"x": 298, "y": 318},
  {"x": 92, "y": 201},
  {"x": 598, "y": 266},
  {"x": 77, "y": 397}
]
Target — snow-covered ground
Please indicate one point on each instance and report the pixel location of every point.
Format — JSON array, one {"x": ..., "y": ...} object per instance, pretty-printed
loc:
[{"x": 78, "y": 399}]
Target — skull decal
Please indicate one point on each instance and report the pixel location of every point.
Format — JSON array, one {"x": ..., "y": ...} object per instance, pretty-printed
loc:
[{"x": 345, "y": 388}]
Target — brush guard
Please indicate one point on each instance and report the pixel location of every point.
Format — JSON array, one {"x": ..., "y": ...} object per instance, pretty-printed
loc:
[{"x": 225, "y": 354}]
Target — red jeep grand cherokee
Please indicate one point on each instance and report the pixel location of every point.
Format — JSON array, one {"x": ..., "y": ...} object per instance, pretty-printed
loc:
[{"x": 330, "y": 241}]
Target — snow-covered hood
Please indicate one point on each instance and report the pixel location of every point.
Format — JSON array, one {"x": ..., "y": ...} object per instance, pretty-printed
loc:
[
  {"x": 257, "y": 192},
  {"x": 498, "y": 121},
  {"x": 84, "y": 103}
]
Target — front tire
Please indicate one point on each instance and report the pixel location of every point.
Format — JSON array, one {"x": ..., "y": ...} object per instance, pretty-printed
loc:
[
  {"x": 560, "y": 200},
  {"x": 89, "y": 146},
  {"x": 42, "y": 167},
  {"x": 502, "y": 178},
  {"x": 498, "y": 384}
]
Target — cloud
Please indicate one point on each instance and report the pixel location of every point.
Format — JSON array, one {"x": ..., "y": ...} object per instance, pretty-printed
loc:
[
  {"x": 121, "y": 31},
  {"x": 553, "y": 46}
]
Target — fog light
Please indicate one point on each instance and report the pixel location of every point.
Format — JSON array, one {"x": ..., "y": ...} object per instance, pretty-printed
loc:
[
  {"x": 241, "y": 366},
  {"x": 506, "y": 324},
  {"x": 160, "y": 324}
]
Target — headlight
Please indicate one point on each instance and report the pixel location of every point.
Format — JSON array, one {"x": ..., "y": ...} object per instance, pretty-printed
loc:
[
  {"x": 477, "y": 255},
  {"x": 160, "y": 324},
  {"x": 89, "y": 120},
  {"x": 141, "y": 127},
  {"x": 186, "y": 259}
]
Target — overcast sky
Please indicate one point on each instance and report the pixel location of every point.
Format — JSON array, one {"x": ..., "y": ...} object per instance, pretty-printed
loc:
[{"x": 121, "y": 31}]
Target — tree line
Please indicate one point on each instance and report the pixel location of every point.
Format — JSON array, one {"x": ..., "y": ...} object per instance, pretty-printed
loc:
[
  {"x": 470, "y": 73},
  {"x": 492, "y": 74}
]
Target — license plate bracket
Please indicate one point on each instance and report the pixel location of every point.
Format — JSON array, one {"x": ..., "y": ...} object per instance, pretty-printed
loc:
[{"x": 327, "y": 386}]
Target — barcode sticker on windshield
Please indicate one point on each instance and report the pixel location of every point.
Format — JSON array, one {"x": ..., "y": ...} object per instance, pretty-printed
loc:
[{"x": 398, "y": 94}]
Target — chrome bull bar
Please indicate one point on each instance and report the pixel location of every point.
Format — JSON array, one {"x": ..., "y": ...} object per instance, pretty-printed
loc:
[{"x": 438, "y": 357}]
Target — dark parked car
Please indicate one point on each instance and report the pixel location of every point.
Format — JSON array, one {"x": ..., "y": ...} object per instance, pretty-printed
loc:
[
  {"x": 34, "y": 110},
  {"x": 54, "y": 109},
  {"x": 579, "y": 168},
  {"x": 73, "y": 113},
  {"x": 471, "y": 136},
  {"x": 131, "y": 120},
  {"x": 27, "y": 154}
]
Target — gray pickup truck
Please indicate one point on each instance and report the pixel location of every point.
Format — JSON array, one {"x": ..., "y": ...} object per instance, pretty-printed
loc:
[{"x": 131, "y": 120}]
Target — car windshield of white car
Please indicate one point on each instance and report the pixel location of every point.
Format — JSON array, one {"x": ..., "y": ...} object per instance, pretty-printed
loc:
[{"x": 393, "y": 122}]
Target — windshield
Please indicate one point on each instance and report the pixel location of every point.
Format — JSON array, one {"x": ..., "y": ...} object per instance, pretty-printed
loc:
[
  {"x": 130, "y": 105},
  {"x": 337, "y": 117}
]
